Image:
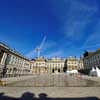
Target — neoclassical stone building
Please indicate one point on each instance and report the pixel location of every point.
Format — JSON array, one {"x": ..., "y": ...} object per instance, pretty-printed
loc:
[
  {"x": 43, "y": 65},
  {"x": 12, "y": 63},
  {"x": 91, "y": 59},
  {"x": 55, "y": 65},
  {"x": 39, "y": 65},
  {"x": 80, "y": 64},
  {"x": 72, "y": 63}
]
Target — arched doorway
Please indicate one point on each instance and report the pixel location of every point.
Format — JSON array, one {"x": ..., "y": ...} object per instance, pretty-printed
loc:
[
  {"x": 53, "y": 70},
  {"x": 59, "y": 70}
]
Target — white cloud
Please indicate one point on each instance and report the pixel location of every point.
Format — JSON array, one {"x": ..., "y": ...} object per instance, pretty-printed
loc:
[
  {"x": 77, "y": 19},
  {"x": 94, "y": 39},
  {"x": 49, "y": 45}
]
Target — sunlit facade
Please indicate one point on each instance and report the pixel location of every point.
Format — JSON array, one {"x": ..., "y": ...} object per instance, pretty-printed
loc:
[
  {"x": 72, "y": 63},
  {"x": 12, "y": 63},
  {"x": 55, "y": 65},
  {"x": 39, "y": 65}
]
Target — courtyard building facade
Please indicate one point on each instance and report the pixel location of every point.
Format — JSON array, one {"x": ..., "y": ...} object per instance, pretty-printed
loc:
[
  {"x": 55, "y": 65},
  {"x": 43, "y": 65},
  {"x": 80, "y": 64},
  {"x": 39, "y": 65},
  {"x": 91, "y": 59},
  {"x": 72, "y": 63},
  {"x": 12, "y": 63}
]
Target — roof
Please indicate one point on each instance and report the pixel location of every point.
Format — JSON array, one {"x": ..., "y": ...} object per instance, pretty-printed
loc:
[
  {"x": 90, "y": 54},
  {"x": 8, "y": 48},
  {"x": 40, "y": 59}
]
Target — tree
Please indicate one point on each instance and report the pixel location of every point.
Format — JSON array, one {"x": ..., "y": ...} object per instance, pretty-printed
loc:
[{"x": 65, "y": 66}]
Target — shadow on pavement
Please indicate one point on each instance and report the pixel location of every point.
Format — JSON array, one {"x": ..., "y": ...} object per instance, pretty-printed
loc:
[{"x": 42, "y": 96}]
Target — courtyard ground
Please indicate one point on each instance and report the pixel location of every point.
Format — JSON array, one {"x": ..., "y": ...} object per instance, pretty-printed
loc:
[{"x": 53, "y": 87}]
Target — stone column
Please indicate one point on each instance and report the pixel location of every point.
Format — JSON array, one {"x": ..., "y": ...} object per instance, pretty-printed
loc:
[{"x": 4, "y": 59}]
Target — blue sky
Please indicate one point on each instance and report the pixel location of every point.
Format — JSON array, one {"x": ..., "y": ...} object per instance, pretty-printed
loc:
[{"x": 70, "y": 26}]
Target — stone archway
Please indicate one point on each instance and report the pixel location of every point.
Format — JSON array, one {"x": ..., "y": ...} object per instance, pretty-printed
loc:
[{"x": 59, "y": 70}]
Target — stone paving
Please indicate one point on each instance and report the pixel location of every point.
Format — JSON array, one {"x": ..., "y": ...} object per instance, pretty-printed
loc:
[
  {"x": 54, "y": 86},
  {"x": 55, "y": 92},
  {"x": 55, "y": 80}
]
